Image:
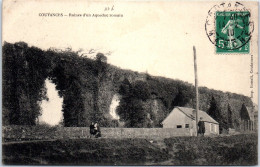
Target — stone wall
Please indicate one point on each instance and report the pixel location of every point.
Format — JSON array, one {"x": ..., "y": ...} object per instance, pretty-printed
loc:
[{"x": 12, "y": 133}]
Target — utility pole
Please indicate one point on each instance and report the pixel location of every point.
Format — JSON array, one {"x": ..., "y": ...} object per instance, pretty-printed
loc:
[{"x": 196, "y": 87}]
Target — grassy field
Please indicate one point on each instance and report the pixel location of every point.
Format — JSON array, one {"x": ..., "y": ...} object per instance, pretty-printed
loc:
[
  {"x": 226, "y": 150},
  {"x": 83, "y": 152}
]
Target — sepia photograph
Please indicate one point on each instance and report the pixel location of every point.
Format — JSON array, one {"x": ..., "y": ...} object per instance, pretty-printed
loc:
[{"x": 117, "y": 82}]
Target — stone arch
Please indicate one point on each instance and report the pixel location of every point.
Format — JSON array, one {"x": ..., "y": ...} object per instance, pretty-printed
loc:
[
  {"x": 81, "y": 82},
  {"x": 25, "y": 70}
]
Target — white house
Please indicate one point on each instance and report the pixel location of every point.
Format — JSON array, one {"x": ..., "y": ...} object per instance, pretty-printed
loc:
[{"x": 183, "y": 119}]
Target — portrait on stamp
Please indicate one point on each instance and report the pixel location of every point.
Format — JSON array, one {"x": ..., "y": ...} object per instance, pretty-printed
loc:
[{"x": 232, "y": 31}]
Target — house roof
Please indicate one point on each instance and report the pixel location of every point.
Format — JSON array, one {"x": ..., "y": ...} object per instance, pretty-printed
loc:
[{"x": 189, "y": 113}]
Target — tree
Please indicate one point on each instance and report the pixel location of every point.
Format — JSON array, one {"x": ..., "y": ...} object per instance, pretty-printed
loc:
[
  {"x": 132, "y": 113},
  {"x": 24, "y": 73},
  {"x": 180, "y": 100},
  {"x": 130, "y": 108},
  {"x": 215, "y": 112},
  {"x": 73, "y": 109},
  {"x": 141, "y": 90},
  {"x": 244, "y": 115},
  {"x": 100, "y": 57},
  {"x": 230, "y": 121},
  {"x": 125, "y": 88},
  {"x": 100, "y": 73}
]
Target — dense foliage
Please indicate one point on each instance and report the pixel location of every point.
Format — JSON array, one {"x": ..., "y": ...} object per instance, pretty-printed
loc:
[
  {"x": 230, "y": 121},
  {"x": 131, "y": 109},
  {"x": 88, "y": 86},
  {"x": 23, "y": 83},
  {"x": 215, "y": 113}
]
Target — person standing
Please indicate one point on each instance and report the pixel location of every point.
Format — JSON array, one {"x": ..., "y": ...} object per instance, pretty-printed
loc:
[
  {"x": 201, "y": 126},
  {"x": 92, "y": 129}
]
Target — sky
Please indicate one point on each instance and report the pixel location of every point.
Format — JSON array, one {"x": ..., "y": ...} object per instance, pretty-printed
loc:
[
  {"x": 154, "y": 37},
  {"x": 51, "y": 109}
]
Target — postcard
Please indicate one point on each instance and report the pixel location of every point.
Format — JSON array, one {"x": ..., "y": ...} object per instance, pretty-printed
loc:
[{"x": 115, "y": 82}]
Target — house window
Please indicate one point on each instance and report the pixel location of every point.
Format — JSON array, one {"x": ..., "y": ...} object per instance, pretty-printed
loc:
[
  {"x": 211, "y": 127},
  {"x": 215, "y": 128},
  {"x": 187, "y": 125},
  {"x": 179, "y": 126}
]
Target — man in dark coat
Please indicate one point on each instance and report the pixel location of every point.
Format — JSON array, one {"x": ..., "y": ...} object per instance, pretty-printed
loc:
[{"x": 201, "y": 125}]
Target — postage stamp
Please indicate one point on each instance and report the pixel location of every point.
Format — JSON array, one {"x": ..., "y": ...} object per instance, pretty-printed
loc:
[
  {"x": 229, "y": 28},
  {"x": 232, "y": 32}
]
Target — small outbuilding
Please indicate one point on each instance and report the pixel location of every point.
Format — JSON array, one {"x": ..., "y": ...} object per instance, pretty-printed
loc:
[{"x": 183, "y": 120}]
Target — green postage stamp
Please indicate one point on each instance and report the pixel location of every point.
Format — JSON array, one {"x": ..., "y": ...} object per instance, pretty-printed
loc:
[{"x": 232, "y": 31}]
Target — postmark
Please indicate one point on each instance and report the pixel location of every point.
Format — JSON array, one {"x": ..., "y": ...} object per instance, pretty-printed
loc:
[{"x": 229, "y": 28}]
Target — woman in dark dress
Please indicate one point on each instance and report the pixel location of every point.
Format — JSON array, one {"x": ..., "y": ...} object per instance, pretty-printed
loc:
[
  {"x": 97, "y": 130},
  {"x": 92, "y": 129}
]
